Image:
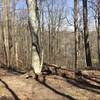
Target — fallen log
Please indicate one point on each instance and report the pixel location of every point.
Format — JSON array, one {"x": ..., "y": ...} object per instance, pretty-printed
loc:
[{"x": 58, "y": 70}]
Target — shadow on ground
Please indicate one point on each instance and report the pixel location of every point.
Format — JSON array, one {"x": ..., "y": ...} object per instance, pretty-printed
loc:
[
  {"x": 54, "y": 90},
  {"x": 10, "y": 90},
  {"x": 83, "y": 84}
]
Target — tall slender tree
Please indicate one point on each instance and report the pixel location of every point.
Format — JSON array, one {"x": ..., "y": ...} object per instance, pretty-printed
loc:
[
  {"x": 6, "y": 32},
  {"x": 14, "y": 56},
  {"x": 86, "y": 34},
  {"x": 98, "y": 36},
  {"x": 76, "y": 32}
]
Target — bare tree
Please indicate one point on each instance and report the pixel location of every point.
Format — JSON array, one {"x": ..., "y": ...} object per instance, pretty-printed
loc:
[
  {"x": 14, "y": 54},
  {"x": 98, "y": 38},
  {"x": 37, "y": 56},
  {"x": 6, "y": 31},
  {"x": 55, "y": 18},
  {"x": 76, "y": 32},
  {"x": 95, "y": 6},
  {"x": 86, "y": 34}
]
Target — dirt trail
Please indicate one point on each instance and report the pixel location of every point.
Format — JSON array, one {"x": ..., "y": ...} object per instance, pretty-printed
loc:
[{"x": 18, "y": 87}]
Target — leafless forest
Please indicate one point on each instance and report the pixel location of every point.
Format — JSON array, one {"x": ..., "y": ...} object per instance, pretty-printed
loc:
[{"x": 58, "y": 37}]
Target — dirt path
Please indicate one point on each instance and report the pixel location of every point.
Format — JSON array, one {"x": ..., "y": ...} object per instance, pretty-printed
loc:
[{"x": 18, "y": 87}]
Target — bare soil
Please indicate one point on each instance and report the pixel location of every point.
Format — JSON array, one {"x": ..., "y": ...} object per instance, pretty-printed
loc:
[{"x": 14, "y": 86}]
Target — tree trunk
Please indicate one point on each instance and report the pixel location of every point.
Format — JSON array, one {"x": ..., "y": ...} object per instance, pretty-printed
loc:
[
  {"x": 37, "y": 54},
  {"x": 6, "y": 33},
  {"x": 86, "y": 35},
  {"x": 76, "y": 32},
  {"x": 13, "y": 56},
  {"x": 98, "y": 37}
]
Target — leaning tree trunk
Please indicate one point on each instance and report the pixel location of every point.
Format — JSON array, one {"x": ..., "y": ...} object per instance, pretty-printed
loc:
[
  {"x": 86, "y": 35},
  {"x": 37, "y": 55}
]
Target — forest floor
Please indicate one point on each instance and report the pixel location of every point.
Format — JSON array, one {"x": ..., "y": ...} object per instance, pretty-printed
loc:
[{"x": 14, "y": 86}]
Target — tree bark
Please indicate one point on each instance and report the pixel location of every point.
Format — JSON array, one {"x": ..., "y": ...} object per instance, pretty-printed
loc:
[
  {"x": 14, "y": 59},
  {"x": 86, "y": 35},
  {"x": 6, "y": 33},
  {"x": 76, "y": 32},
  {"x": 37, "y": 54},
  {"x": 98, "y": 37}
]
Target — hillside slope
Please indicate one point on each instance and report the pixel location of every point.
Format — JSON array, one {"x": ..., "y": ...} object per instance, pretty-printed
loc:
[{"x": 14, "y": 86}]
